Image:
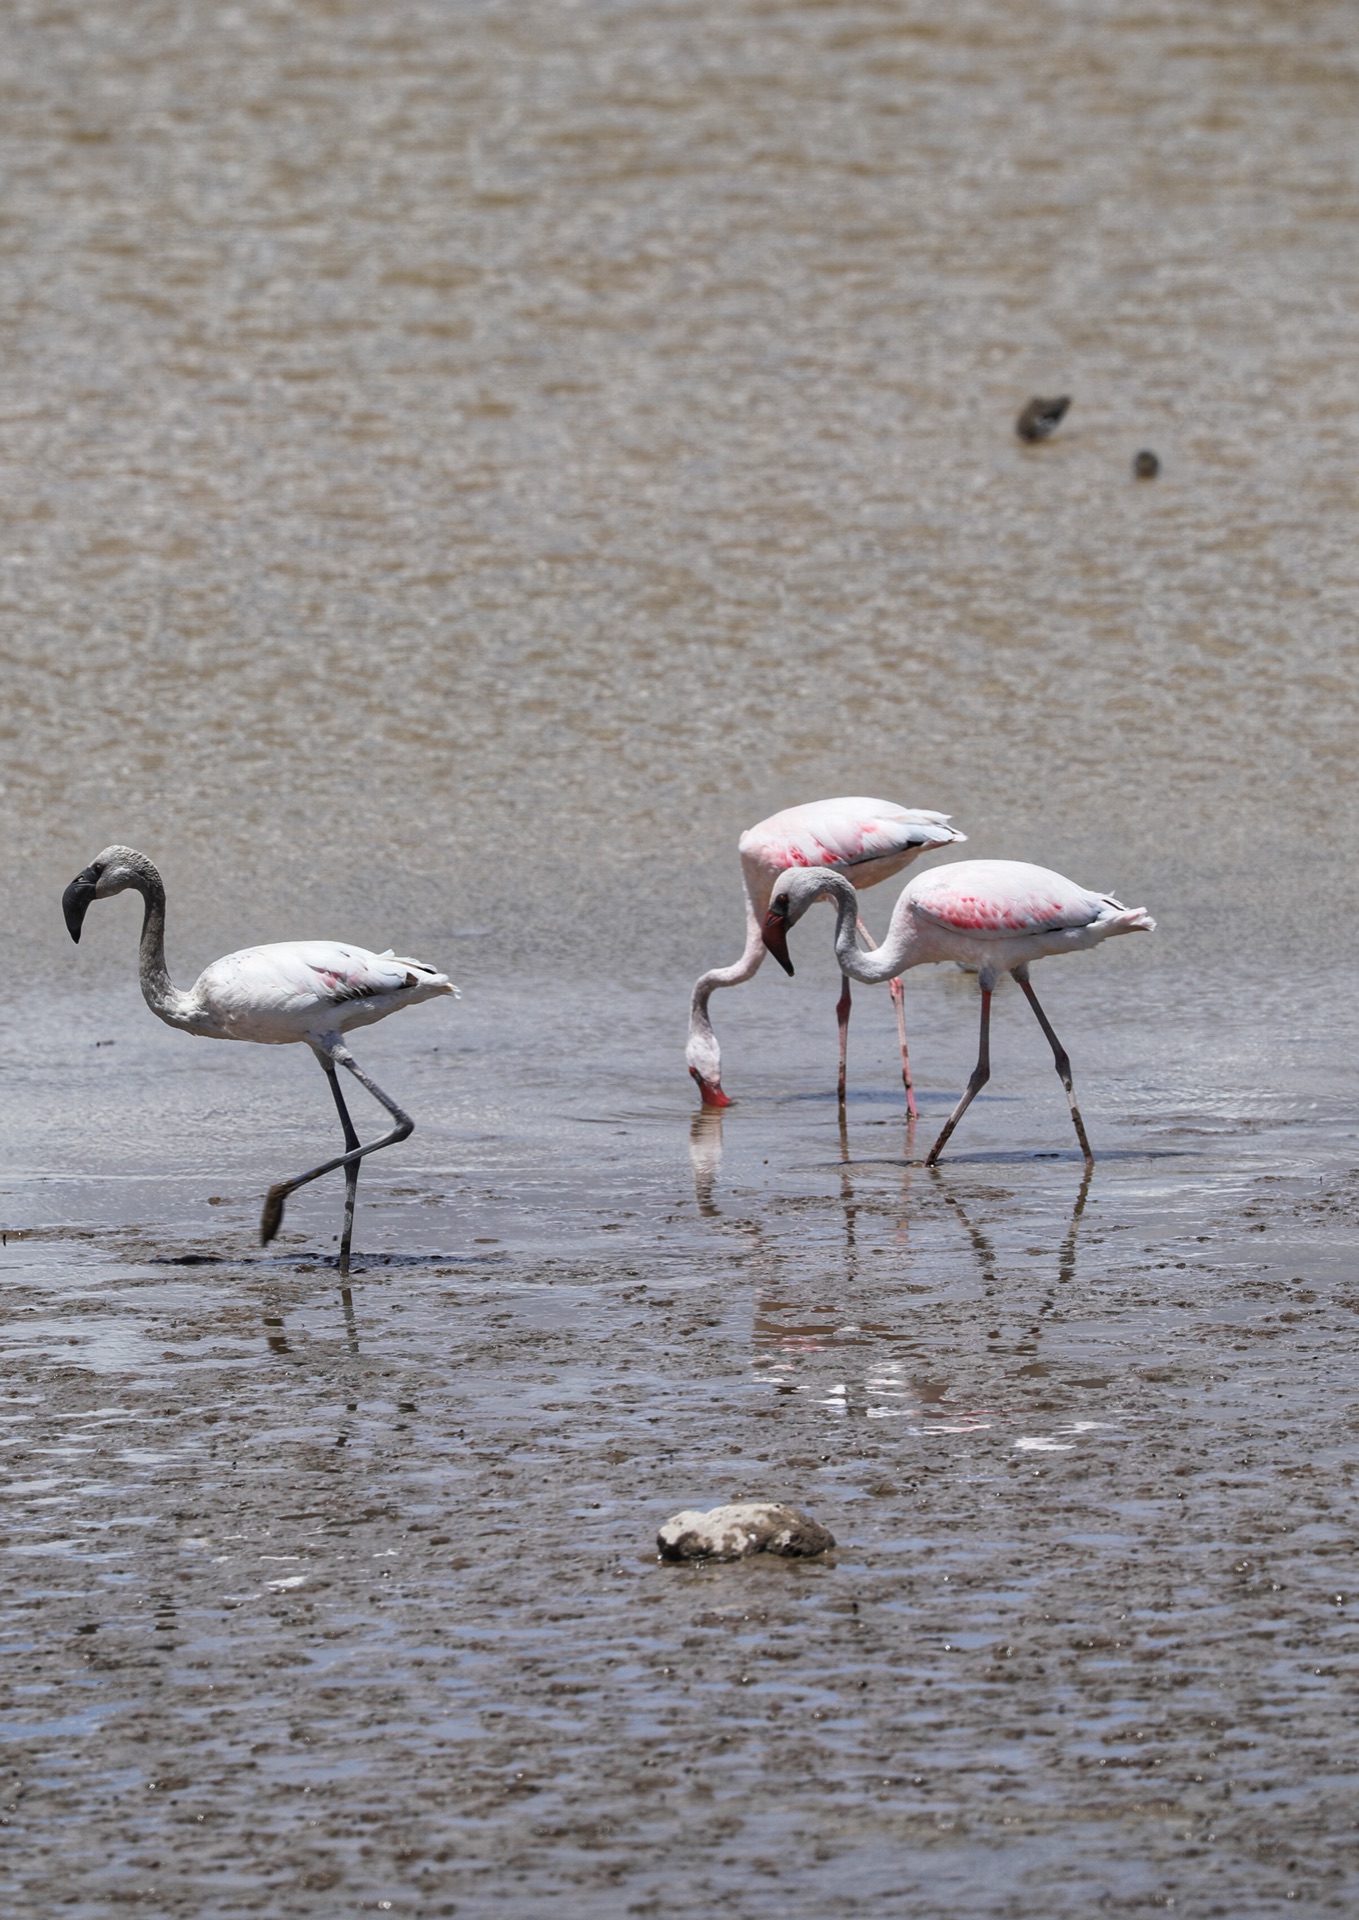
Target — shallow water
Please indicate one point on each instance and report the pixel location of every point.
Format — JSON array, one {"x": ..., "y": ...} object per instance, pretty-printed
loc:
[{"x": 461, "y": 465}]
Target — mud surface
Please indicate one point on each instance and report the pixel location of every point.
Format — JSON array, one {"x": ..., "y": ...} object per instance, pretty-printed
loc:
[
  {"x": 460, "y": 465},
  {"x": 319, "y": 1602}
]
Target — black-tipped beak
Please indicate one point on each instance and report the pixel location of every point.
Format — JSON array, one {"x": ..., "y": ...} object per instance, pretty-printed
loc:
[
  {"x": 76, "y": 900},
  {"x": 774, "y": 933}
]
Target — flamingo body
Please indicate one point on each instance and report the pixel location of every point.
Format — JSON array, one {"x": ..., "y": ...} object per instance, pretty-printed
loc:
[
  {"x": 995, "y": 915},
  {"x": 303, "y": 990},
  {"x": 869, "y": 840},
  {"x": 1000, "y": 914},
  {"x": 866, "y": 840}
]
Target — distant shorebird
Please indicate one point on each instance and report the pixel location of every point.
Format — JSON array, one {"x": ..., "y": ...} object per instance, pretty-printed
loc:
[
  {"x": 1146, "y": 466},
  {"x": 995, "y": 915},
  {"x": 869, "y": 840},
  {"x": 312, "y": 990},
  {"x": 1041, "y": 418}
]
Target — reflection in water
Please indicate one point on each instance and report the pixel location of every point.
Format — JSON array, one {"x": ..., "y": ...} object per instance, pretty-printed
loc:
[
  {"x": 986, "y": 1257},
  {"x": 273, "y": 1323},
  {"x": 351, "y": 1325},
  {"x": 274, "y": 1334},
  {"x": 847, "y": 1202},
  {"x": 278, "y": 1340},
  {"x": 705, "y": 1156},
  {"x": 986, "y": 1253},
  {"x": 1066, "y": 1257},
  {"x": 821, "y": 1294}
]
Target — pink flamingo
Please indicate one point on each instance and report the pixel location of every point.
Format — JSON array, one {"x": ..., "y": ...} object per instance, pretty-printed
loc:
[
  {"x": 994, "y": 915},
  {"x": 869, "y": 840}
]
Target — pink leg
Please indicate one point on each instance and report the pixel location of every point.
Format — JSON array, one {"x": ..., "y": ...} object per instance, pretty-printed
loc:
[
  {"x": 842, "y": 1006},
  {"x": 894, "y": 987}
]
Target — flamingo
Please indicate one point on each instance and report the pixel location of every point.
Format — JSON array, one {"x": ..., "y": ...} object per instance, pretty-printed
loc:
[
  {"x": 870, "y": 840},
  {"x": 995, "y": 915},
  {"x": 312, "y": 990}
]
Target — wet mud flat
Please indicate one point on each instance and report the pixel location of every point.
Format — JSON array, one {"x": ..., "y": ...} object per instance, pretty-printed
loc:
[
  {"x": 463, "y": 466},
  {"x": 319, "y": 1607}
]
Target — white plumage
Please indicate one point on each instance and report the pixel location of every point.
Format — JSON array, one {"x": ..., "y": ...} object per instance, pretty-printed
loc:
[
  {"x": 866, "y": 840},
  {"x": 303, "y": 990},
  {"x": 995, "y": 915},
  {"x": 307, "y": 990}
]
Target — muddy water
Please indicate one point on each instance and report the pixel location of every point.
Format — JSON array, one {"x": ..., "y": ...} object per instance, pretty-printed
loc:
[{"x": 460, "y": 464}]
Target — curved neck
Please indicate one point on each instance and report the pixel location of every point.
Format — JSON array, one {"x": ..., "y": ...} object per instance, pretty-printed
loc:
[
  {"x": 752, "y": 957},
  {"x": 894, "y": 956},
  {"x": 701, "y": 1051},
  {"x": 158, "y": 990}
]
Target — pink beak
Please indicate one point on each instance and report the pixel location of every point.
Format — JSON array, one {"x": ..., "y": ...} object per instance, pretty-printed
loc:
[{"x": 711, "y": 1095}]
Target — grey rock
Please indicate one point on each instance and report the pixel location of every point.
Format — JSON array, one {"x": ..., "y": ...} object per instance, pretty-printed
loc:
[
  {"x": 1041, "y": 418},
  {"x": 748, "y": 1526}
]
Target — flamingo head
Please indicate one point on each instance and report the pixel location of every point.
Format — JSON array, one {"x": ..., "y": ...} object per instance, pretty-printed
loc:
[
  {"x": 793, "y": 893},
  {"x": 710, "y": 1091},
  {"x": 791, "y": 897},
  {"x": 703, "y": 1057},
  {"x": 774, "y": 933},
  {"x": 108, "y": 873}
]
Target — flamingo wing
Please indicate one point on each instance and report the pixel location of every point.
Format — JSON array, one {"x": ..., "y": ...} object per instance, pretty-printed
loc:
[
  {"x": 999, "y": 899},
  {"x": 844, "y": 833},
  {"x": 295, "y": 979}
]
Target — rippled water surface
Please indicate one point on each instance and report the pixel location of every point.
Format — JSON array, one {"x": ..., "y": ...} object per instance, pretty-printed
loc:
[{"x": 460, "y": 464}]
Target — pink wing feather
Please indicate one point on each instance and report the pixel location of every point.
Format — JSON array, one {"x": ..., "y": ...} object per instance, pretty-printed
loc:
[
  {"x": 843, "y": 833},
  {"x": 999, "y": 898}
]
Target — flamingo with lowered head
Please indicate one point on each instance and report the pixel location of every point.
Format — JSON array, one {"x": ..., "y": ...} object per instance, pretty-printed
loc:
[
  {"x": 312, "y": 990},
  {"x": 867, "y": 840},
  {"x": 995, "y": 915}
]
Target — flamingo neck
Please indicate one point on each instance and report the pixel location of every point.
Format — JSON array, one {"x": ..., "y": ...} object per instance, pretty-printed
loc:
[
  {"x": 752, "y": 956},
  {"x": 158, "y": 990},
  {"x": 702, "y": 1053},
  {"x": 898, "y": 951}
]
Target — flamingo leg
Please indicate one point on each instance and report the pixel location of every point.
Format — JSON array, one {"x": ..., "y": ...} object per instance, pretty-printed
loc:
[
  {"x": 898, "y": 993},
  {"x": 351, "y": 1172},
  {"x": 981, "y": 1073},
  {"x": 842, "y": 1007},
  {"x": 339, "y": 1056},
  {"x": 894, "y": 988},
  {"x": 1060, "y": 1060}
]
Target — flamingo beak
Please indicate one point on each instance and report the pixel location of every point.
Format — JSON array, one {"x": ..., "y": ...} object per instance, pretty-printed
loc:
[
  {"x": 774, "y": 933},
  {"x": 76, "y": 900},
  {"x": 709, "y": 1092}
]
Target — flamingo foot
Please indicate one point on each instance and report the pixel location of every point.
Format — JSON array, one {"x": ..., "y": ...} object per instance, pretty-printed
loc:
[{"x": 272, "y": 1217}]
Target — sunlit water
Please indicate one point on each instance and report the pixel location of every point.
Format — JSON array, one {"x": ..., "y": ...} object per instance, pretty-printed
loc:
[{"x": 460, "y": 466}]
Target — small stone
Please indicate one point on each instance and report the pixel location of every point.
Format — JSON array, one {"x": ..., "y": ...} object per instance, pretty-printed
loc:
[
  {"x": 747, "y": 1526},
  {"x": 1041, "y": 418},
  {"x": 1146, "y": 466}
]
